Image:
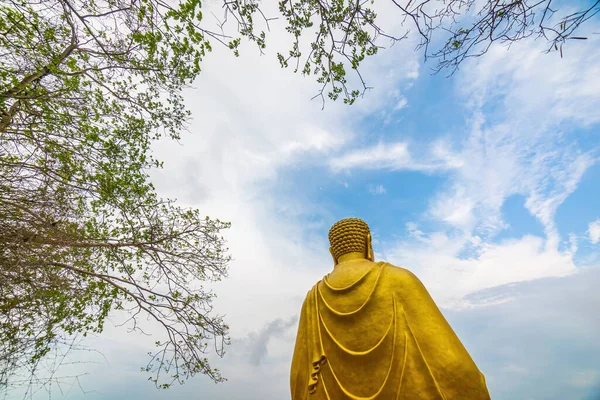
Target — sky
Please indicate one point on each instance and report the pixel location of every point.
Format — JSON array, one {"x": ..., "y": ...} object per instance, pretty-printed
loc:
[{"x": 485, "y": 184}]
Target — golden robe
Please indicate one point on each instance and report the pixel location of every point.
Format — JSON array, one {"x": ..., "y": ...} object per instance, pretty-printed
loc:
[{"x": 371, "y": 331}]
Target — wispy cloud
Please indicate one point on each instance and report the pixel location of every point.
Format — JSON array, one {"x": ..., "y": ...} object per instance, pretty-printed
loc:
[
  {"x": 377, "y": 189},
  {"x": 402, "y": 103},
  {"x": 594, "y": 231},
  {"x": 380, "y": 156},
  {"x": 501, "y": 161},
  {"x": 526, "y": 96},
  {"x": 393, "y": 156},
  {"x": 546, "y": 87},
  {"x": 257, "y": 342}
]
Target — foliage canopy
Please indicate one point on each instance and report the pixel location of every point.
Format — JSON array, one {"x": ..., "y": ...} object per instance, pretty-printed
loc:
[{"x": 85, "y": 88}]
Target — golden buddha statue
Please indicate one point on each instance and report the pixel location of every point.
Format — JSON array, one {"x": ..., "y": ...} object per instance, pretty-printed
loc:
[{"x": 369, "y": 330}]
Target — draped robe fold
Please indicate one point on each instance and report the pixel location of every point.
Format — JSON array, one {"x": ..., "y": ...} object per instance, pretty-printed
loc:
[{"x": 371, "y": 331}]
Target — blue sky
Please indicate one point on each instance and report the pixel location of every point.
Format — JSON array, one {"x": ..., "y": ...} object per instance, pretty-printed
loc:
[{"x": 484, "y": 184}]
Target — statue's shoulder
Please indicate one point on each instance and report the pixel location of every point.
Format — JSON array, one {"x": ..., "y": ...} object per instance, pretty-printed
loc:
[{"x": 400, "y": 274}]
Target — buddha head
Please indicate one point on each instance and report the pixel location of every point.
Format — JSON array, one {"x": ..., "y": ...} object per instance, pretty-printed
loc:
[{"x": 350, "y": 235}]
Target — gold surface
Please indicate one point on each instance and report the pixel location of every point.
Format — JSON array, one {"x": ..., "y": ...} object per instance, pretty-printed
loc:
[{"x": 370, "y": 330}]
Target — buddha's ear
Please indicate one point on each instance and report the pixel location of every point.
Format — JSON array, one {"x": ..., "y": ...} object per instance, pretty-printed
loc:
[
  {"x": 369, "y": 248},
  {"x": 333, "y": 255}
]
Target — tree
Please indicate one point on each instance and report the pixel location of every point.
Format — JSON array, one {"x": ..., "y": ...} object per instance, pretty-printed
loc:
[
  {"x": 87, "y": 86},
  {"x": 345, "y": 32}
]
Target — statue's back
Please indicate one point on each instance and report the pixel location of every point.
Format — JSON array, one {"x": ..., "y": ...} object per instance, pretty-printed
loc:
[{"x": 371, "y": 331}]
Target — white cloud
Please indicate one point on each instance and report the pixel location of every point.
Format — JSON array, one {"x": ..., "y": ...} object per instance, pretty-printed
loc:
[
  {"x": 413, "y": 230},
  {"x": 392, "y": 156},
  {"x": 455, "y": 208},
  {"x": 402, "y": 103},
  {"x": 594, "y": 231},
  {"x": 498, "y": 164},
  {"x": 441, "y": 150},
  {"x": 450, "y": 276},
  {"x": 529, "y": 96},
  {"x": 377, "y": 189},
  {"x": 529, "y": 82}
]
